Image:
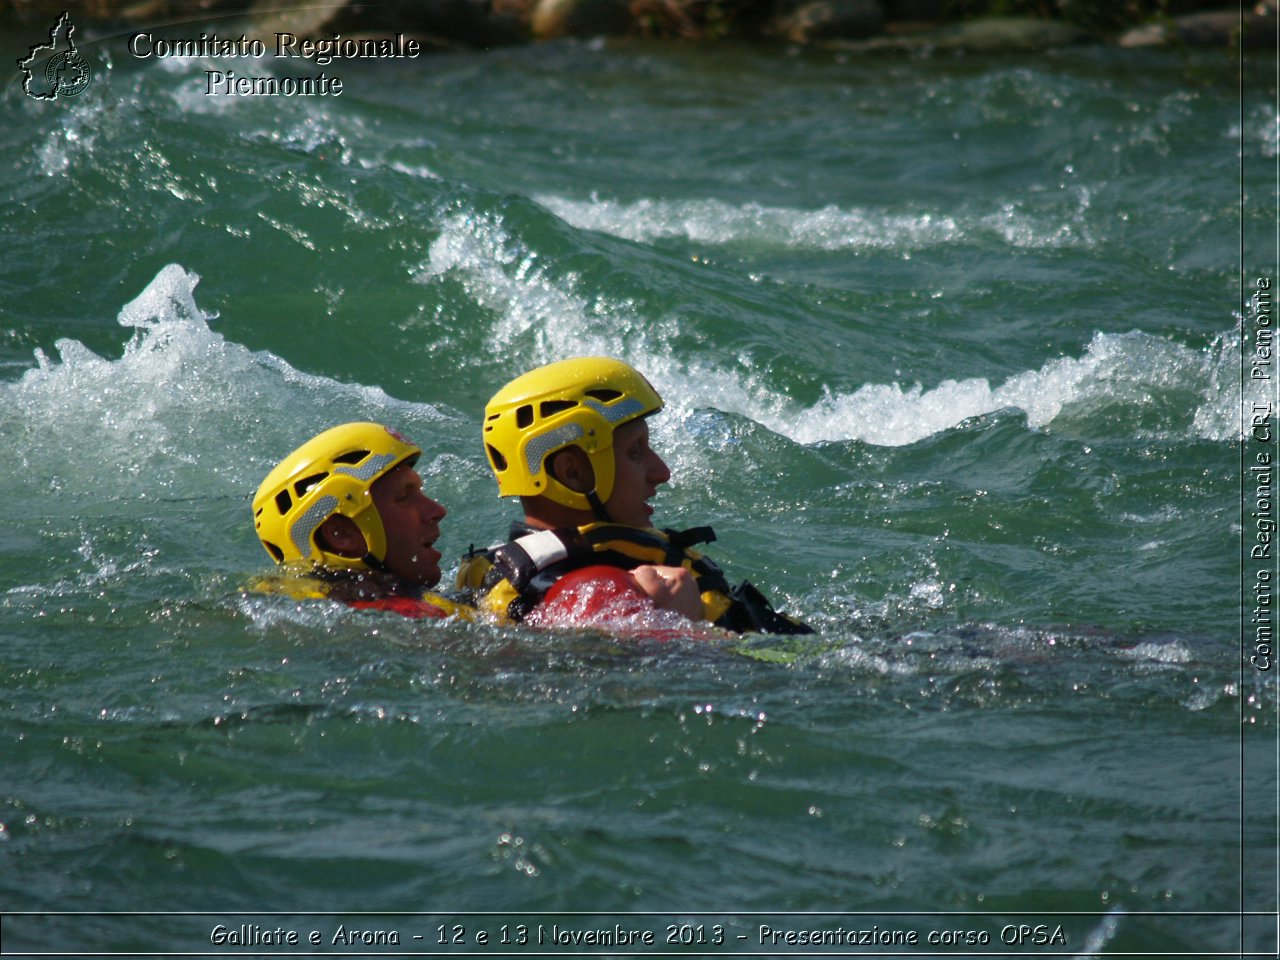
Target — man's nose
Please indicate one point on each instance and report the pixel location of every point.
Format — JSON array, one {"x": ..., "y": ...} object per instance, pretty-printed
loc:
[{"x": 658, "y": 471}]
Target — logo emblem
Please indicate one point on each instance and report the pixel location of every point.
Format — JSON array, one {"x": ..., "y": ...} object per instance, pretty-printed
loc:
[{"x": 66, "y": 73}]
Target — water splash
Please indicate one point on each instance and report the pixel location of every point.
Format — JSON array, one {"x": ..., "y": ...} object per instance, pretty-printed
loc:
[
  {"x": 504, "y": 277},
  {"x": 1189, "y": 392},
  {"x": 529, "y": 302},
  {"x": 1134, "y": 369},
  {"x": 715, "y": 222},
  {"x": 182, "y": 412}
]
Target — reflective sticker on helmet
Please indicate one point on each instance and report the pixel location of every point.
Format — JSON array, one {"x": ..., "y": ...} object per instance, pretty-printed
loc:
[
  {"x": 302, "y": 529},
  {"x": 369, "y": 469},
  {"x": 539, "y": 447},
  {"x": 619, "y": 411}
]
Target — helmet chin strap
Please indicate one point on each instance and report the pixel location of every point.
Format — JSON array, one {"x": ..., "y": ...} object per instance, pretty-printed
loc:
[
  {"x": 597, "y": 507},
  {"x": 373, "y": 563},
  {"x": 593, "y": 498}
]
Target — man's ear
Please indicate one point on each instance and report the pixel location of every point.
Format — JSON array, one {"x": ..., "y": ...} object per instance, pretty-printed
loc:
[
  {"x": 572, "y": 467},
  {"x": 343, "y": 537}
]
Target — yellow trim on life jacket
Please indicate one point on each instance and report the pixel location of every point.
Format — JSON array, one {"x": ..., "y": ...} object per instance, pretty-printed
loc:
[
  {"x": 463, "y": 611},
  {"x": 715, "y": 604},
  {"x": 294, "y": 584}
]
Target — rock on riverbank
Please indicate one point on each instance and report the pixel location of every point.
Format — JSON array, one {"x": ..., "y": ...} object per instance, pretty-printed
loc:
[{"x": 852, "y": 25}]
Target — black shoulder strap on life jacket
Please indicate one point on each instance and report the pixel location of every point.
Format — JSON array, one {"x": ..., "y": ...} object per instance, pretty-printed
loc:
[
  {"x": 683, "y": 539},
  {"x": 522, "y": 559}
]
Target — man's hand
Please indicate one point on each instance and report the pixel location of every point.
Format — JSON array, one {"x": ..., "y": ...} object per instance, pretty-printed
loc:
[{"x": 670, "y": 588}]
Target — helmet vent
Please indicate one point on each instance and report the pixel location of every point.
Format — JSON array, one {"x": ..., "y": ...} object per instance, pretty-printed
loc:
[
  {"x": 306, "y": 483},
  {"x": 524, "y": 416},
  {"x": 354, "y": 457},
  {"x": 552, "y": 407},
  {"x": 274, "y": 551},
  {"x": 283, "y": 502},
  {"x": 498, "y": 460},
  {"x": 604, "y": 394}
]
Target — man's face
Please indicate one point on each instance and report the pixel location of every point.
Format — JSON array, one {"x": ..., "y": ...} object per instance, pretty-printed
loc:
[
  {"x": 638, "y": 472},
  {"x": 412, "y": 524}
]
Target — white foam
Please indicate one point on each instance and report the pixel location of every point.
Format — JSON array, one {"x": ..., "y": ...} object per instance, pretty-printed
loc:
[
  {"x": 418, "y": 171},
  {"x": 503, "y": 276},
  {"x": 829, "y": 228},
  {"x": 1138, "y": 371},
  {"x": 182, "y": 412},
  {"x": 500, "y": 276},
  {"x": 1133, "y": 368},
  {"x": 170, "y": 297}
]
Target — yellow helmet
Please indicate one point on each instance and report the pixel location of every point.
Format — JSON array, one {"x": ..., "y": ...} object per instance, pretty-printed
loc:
[
  {"x": 329, "y": 474},
  {"x": 577, "y": 402}
]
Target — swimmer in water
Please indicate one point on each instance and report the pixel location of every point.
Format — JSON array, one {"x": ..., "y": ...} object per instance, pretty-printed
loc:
[
  {"x": 571, "y": 439},
  {"x": 346, "y": 516}
]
